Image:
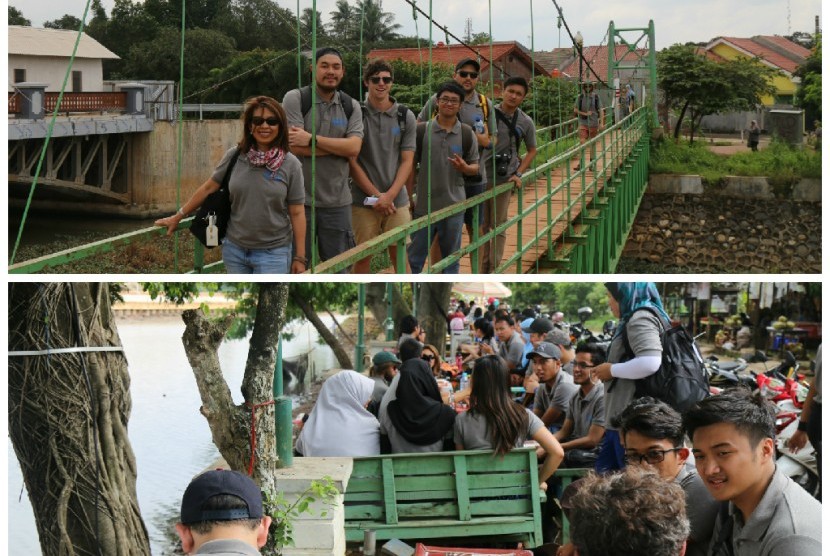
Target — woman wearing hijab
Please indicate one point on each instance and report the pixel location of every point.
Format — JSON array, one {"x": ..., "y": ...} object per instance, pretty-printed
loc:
[
  {"x": 340, "y": 424},
  {"x": 416, "y": 419},
  {"x": 495, "y": 422},
  {"x": 632, "y": 303}
]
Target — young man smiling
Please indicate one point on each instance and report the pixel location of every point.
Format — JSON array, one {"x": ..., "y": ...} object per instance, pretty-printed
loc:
[
  {"x": 379, "y": 172},
  {"x": 440, "y": 178},
  {"x": 338, "y": 138},
  {"x": 556, "y": 388},
  {"x": 767, "y": 513}
]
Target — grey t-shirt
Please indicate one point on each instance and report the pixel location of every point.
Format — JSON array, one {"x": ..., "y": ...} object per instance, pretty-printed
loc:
[
  {"x": 506, "y": 143},
  {"x": 260, "y": 199},
  {"x": 786, "y": 522},
  {"x": 470, "y": 430},
  {"x": 513, "y": 349},
  {"x": 643, "y": 330},
  {"x": 332, "y": 172},
  {"x": 227, "y": 547},
  {"x": 380, "y": 155},
  {"x": 446, "y": 186},
  {"x": 586, "y": 411},
  {"x": 470, "y": 108},
  {"x": 585, "y": 103},
  {"x": 701, "y": 509},
  {"x": 557, "y": 396}
]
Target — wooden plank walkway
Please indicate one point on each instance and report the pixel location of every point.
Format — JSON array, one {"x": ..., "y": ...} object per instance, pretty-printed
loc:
[{"x": 539, "y": 218}]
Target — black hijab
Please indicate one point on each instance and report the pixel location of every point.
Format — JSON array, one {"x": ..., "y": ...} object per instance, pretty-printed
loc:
[{"x": 418, "y": 413}]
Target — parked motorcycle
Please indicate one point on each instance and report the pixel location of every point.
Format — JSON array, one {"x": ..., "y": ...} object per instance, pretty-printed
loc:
[{"x": 800, "y": 466}]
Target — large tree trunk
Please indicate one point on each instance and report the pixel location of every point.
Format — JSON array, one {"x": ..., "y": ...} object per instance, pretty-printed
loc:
[
  {"x": 68, "y": 415},
  {"x": 680, "y": 120},
  {"x": 343, "y": 358},
  {"x": 433, "y": 302},
  {"x": 231, "y": 424},
  {"x": 377, "y": 303}
]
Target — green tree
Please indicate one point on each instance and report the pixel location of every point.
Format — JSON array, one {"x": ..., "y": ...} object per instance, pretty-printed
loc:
[
  {"x": 573, "y": 295},
  {"x": 259, "y": 24},
  {"x": 693, "y": 84},
  {"x": 480, "y": 38},
  {"x": 377, "y": 24},
  {"x": 342, "y": 23},
  {"x": 550, "y": 101},
  {"x": 204, "y": 50},
  {"x": 16, "y": 17},
  {"x": 307, "y": 19},
  {"x": 66, "y": 22},
  {"x": 808, "y": 95},
  {"x": 252, "y": 73}
]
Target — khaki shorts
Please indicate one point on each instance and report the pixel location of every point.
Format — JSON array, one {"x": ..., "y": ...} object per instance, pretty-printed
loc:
[
  {"x": 586, "y": 132},
  {"x": 368, "y": 223}
]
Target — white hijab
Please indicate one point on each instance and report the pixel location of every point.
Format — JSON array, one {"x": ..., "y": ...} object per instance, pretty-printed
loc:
[{"x": 340, "y": 424}]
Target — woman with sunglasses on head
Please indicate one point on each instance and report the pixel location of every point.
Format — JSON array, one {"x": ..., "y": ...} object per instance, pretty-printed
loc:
[
  {"x": 495, "y": 422},
  {"x": 267, "y": 196}
]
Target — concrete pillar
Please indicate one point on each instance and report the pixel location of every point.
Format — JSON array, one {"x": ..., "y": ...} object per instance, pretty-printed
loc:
[
  {"x": 32, "y": 100},
  {"x": 135, "y": 98}
]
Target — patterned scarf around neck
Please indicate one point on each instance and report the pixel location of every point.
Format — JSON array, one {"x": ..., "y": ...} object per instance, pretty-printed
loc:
[{"x": 271, "y": 159}]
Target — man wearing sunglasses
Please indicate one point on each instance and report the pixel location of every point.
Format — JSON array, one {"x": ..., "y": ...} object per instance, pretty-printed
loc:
[
  {"x": 379, "y": 173},
  {"x": 338, "y": 137},
  {"x": 474, "y": 106},
  {"x": 652, "y": 433}
]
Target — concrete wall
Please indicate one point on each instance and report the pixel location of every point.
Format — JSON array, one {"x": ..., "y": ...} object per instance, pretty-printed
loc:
[
  {"x": 52, "y": 69},
  {"x": 153, "y": 166}
]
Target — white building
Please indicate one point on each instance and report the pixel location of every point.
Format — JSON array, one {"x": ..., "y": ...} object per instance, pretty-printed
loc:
[{"x": 42, "y": 56}]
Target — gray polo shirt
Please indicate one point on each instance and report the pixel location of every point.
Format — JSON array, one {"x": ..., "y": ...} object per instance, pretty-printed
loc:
[
  {"x": 786, "y": 522},
  {"x": 260, "y": 199},
  {"x": 470, "y": 430},
  {"x": 228, "y": 547},
  {"x": 380, "y": 155},
  {"x": 557, "y": 396},
  {"x": 470, "y": 108},
  {"x": 506, "y": 143},
  {"x": 332, "y": 172},
  {"x": 643, "y": 330},
  {"x": 586, "y": 411},
  {"x": 701, "y": 509},
  {"x": 587, "y": 102},
  {"x": 447, "y": 183},
  {"x": 513, "y": 349}
]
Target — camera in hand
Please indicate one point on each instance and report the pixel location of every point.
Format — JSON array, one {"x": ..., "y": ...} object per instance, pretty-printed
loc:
[{"x": 502, "y": 164}]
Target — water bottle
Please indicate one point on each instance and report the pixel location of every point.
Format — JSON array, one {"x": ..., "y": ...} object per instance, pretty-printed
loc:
[
  {"x": 478, "y": 125},
  {"x": 464, "y": 382}
]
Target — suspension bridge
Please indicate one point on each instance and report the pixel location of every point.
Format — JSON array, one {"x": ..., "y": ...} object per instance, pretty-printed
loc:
[{"x": 560, "y": 220}]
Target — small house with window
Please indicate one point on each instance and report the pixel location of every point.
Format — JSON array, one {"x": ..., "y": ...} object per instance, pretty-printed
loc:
[{"x": 42, "y": 56}]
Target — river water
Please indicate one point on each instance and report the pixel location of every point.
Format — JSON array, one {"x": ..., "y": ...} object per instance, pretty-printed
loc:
[{"x": 169, "y": 436}]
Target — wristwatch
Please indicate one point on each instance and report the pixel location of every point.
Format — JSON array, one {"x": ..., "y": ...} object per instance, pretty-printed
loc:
[{"x": 517, "y": 174}]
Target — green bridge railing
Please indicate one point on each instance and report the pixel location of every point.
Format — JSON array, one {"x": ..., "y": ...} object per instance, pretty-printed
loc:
[{"x": 595, "y": 218}]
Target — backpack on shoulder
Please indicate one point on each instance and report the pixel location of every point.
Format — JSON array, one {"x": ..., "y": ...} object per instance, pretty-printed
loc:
[
  {"x": 681, "y": 380},
  {"x": 305, "y": 101},
  {"x": 467, "y": 139}
]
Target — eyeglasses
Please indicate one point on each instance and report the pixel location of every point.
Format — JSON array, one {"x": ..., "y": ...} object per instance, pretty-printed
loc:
[
  {"x": 579, "y": 365},
  {"x": 259, "y": 120},
  {"x": 450, "y": 101},
  {"x": 428, "y": 357},
  {"x": 377, "y": 79},
  {"x": 652, "y": 456},
  {"x": 466, "y": 74}
]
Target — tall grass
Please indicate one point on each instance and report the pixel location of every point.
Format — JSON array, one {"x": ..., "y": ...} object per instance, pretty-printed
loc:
[{"x": 781, "y": 163}]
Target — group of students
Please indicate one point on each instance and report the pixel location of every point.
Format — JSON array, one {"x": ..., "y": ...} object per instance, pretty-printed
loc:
[
  {"x": 364, "y": 169},
  {"x": 665, "y": 484}
]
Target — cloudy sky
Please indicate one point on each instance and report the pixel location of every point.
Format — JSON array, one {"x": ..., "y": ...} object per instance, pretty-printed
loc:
[{"x": 675, "y": 20}]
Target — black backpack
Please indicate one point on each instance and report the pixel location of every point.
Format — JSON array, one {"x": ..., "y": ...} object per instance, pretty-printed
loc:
[{"x": 681, "y": 380}]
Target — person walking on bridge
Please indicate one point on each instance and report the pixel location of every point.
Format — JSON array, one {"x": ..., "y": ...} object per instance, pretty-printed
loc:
[{"x": 591, "y": 114}]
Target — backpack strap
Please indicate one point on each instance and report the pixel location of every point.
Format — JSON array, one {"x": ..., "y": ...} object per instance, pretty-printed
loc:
[
  {"x": 402, "y": 110},
  {"x": 467, "y": 138},
  {"x": 420, "y": 130},
  {"x": 628, "y": 353},
  {"x": 511, "y": 125},
  {"x": 305, "y": 101}
]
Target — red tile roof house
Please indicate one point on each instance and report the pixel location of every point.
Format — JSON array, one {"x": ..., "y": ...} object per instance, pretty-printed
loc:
[{"x": 510, "y": 59}]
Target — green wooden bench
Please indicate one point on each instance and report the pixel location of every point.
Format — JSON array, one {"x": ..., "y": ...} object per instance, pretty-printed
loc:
[{"x": 469, "y": 493}]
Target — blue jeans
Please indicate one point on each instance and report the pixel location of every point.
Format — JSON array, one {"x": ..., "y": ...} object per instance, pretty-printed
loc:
[
  {"x": 449, "y": 241},
  {"x": 611, "y": 454},
  {"x": 239, "y": 260}
]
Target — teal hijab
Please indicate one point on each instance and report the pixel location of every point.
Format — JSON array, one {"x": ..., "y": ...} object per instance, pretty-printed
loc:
[{"x": 632, "y": 296}]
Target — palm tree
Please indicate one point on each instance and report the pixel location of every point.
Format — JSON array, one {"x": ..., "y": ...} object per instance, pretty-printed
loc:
[
  {"x": 377, "y": 24},
  {"x": 343, "y": 21},
  {"x": 306, "y": 20}
]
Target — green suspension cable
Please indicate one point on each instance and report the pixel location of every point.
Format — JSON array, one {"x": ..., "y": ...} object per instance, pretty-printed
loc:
[
  {"x": 299, "y": 52},
  {"x": 420, "y": 54},
  {"x": 313, "y": 255},
  {"x": 180, "y": 143},
  {"x": 49, "y": 134},
  {"x": 429, "y": 152},
  {"x": 360, "y": 55}
]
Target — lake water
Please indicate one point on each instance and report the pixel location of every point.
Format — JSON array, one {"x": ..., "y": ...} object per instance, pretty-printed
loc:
[{"x": 169, "y": 436}]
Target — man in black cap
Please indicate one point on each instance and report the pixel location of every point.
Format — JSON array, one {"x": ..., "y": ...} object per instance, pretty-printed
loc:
[
  {"x": 222, "y": 515},
  {"x": 475, "y": 107}
]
